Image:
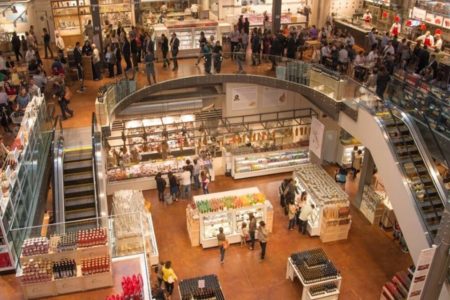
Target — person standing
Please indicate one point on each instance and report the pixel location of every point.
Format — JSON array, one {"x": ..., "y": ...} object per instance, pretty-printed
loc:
[
  {"x": 159, "y": 273},
  {"x": 262, "y": 237},
  {"x": 169, "y": 277},
  {"x": 202, "y": 43},
  {"x": 110, "y": 60},
  {"x": 89, "y": 30},
  {"x": 150, "y": 67},
  {"x": 78, "y": 58},
  {"x": 291, "y": 215},
  {"x": 304, "y": 216},
  {"x": 205, "y": 182},
  {"x": 207, "y": 54},
  {"x": 196, "y": 174},
  {"x": 256, "y": 48},
  {"x": 357, "y": 163},
  {"x": 240, "y": 57},
  {"x": 160, "y": 186},
  {"x": 217, "y": 56},
  {"x": 173, "y": 185},
  {"x": 47, "y": 48},
  {"x": 24, "y": 44},
  {"x": 165, "y": 50},
  {"x": 117, "y": 54},
  {"x": 134, "y": 50},
  {"x": 96, "y": 61},
  {"x": 186, "y": 183},
  {"x": 126, "y": 53},
  {"x": 383, "y": 78},
  {"x": 63, "y": 95},
  {"x": 60, "y": 43},
  {"x": 223, "y": 244},
  {"x": 174, "y": 44},
  {"x": 15, "y": 42},
  {"x": 252, "y": 230},
  {"x": 244, "y": 233}
]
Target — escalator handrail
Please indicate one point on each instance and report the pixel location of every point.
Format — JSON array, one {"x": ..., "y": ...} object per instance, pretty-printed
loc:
[
  {"x": 58, "y": 170},
  {"x": 94, "y": 165}
]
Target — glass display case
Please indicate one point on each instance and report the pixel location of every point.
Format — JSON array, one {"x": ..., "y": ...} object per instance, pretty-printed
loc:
[
  {"x": 210, "y": 225},
  {"x": 259, "y": 164},
  {"x": 242, "y": 216},
  {"x": 21, "y": 179}
]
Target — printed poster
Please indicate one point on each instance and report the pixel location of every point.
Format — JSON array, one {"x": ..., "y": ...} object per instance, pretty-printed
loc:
[
  {"x": 446, "y": 23},
  {"x": 316, "y": 137},
  {"x": 274, "y": 97},
  {"x": 418, "y": 13},
  {"x": 421, "y": 273},
  {"x": 243, "y": 98}
]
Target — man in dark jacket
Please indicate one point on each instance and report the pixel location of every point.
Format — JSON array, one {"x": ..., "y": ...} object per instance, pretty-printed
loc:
[
  {"x": 78, "y": 57},
  {"x": 46, "y": 37},
  {"x": 126, "y": 53},
  {"x": 160, "y": 186},
  {"x": 174, "y": 44},
  {"x": 15, "y": 41},
  {"x": 134, "y": 51},
  {"x": 165, "y": 50},
  {"x": 276, "y": 50},
  {"x": 424, "y": 58},
  {"x": 256, "y": 48}
]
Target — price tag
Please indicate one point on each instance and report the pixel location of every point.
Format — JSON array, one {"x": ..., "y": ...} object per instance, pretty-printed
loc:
[{"x": 201, "y": 284}]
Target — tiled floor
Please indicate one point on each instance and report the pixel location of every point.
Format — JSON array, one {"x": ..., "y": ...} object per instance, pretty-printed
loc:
[{"x": 366, "y": 260}]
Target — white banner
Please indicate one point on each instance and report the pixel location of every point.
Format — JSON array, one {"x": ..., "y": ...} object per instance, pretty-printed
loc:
[
  {"x": 243, "y": 98},
  {"x": 273, "y": 97},
  {"x": 421, "y": 273},
  {"x": 316, "y": 137}
]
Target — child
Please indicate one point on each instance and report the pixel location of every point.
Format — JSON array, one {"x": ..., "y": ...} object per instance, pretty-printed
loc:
[
  {"x": 244, "y": 234},
  {"x": 205, "y": 182}
]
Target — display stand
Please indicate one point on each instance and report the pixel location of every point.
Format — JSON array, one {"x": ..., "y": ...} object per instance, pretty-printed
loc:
[
  {"x": 327, "y": 84},
  {"x": 266, "y": 163},
  {"x": 372, "y": 204},
  {"x": 205, "y": 225},
  {"x": 325, "y": 194},
  {"x": 317, "y": 280}
]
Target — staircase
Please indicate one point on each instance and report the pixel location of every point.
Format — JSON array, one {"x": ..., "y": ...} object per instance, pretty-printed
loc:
[
  {"x": 419, "y": 180},
  {"x": 79, "y": 190}
]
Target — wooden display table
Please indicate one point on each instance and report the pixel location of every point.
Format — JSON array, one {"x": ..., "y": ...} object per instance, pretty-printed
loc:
[{"x": 326, "y": 288}]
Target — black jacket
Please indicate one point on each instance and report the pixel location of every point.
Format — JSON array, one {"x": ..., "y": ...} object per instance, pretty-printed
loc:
[
  {"x": 164, "y": 44},
  {"x": 126, "y": 49},
  {"x": 134, "y": 46},
  {"x": 77, "y": 56},
  {"x": 15, "y": 41}
]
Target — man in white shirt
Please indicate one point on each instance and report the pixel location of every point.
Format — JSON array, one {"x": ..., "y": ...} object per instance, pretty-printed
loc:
[
  {"x": 438, "y": 42},
  {"x": 96, "y": 60},
  {"x": 59, "y": 42},
  {"x": 186, "y": 184},
  {"x": 389, "y": 49},
  {"x": 325, "y": 53},
  {"x": 343, "y": 55}
]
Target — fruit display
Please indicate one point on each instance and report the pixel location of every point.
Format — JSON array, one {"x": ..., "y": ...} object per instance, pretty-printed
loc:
[{"x": 230, "y": 202}]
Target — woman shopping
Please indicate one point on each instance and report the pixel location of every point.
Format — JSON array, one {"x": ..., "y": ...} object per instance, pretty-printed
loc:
[{"x": 169, "y": 277}]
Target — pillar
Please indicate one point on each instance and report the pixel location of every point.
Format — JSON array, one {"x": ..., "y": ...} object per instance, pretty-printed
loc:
[
  {"x": 96, "y": 23},
  {"x": 320, "y": 10},
  {"x": 137, "y": 12},
  {"x": 204, "y": 5},
  {"x": 365, "y": 176},
  {"x": 276, "y": 15}
]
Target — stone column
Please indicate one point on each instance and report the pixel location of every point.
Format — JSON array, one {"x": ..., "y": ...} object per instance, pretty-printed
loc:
[
  {"x": 204, "y": 5},
  {"x": 96, "y": 23},
  {"x": 365, "y": 176},
  {"x": 276, "y": 15}
]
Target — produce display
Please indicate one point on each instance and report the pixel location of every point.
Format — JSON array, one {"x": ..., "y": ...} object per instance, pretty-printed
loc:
[
  {"x": 314, "y": 266},
  {"x": 225, "y": 203},
  {"x": 39, "y": 270}
]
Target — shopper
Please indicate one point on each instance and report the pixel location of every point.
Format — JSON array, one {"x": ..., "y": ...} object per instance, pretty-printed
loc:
[
  {"x": 252, "y": 230},
  {"x": 262, "y": 237},
  {"x": 244, "y": 234},
  {"x": 341, "y": 175},
  {"x": 126, "y": 53},
  {"x": 291, "y": 215},
  {"x": 223, "y": 244},
  {"x": 304, "y": 216},
  {"x": 15, "y": 42},
  {"x": 383, "y": 78},
  {"x": 160, "y": 186},
  {"x": 174, "y": 44},
  {"x": 110, "y": 59},
  {"x": 186, "y": 183},
  {"x": 46, "y": 38},
  {"x": 157, "y": 293},
  {"x": 289, "y": 195},
  {"x": 78, "y": 58},
  {"x": 281, "y": 191},
  {"x": 169, "y": 277},
  {"x": 174, "y": 188},
  {"x": 159, "y": 273},
  {"x": 165, "y": 50},
  {"x": 202, "y": 43},
  {"x": 357, "y": 163},
  {"x": 239, "y": 53},
  {"x": 196, "y": 174},
  {"x": 63, "y": 95},
  {"x": 207, "y": 54},
  {"x": 217, "y": 57},
  {"x": 59, "y": 43},
  {"x": 134, "y": 50},
  {"x": 96, "y": 61},
  {"x": 205, "y": 182},
  {"x": 150, "y": 67}
]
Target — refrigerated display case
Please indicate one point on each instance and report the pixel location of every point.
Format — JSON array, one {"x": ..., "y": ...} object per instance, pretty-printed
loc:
[
  {"x": 322, "y": 191},
  {"x": 227, "y": 210},
  {"x": 259, "y": 164}
]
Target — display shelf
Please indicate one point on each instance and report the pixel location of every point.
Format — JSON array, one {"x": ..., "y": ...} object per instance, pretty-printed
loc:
[
  {"x": 316, "y": 273},
  {"x": 113, "y": 12},
  {"x": 372, "y": 204},
  {"x": 322, "y": 191},
  {"x": 190, "y": 289},
  {"x": 344, "y": 153},
  {"x": 260, "y": 164},
  {"x": 70, "y": 17},
  {"x": 207, "y": 224}
]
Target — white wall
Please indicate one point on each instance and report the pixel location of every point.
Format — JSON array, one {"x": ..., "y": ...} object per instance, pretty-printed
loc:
[{"x": 370, "y": 134}]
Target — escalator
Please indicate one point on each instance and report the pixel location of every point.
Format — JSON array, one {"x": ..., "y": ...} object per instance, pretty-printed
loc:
[
  {"x": 418, "y": 168},
  {"x": 79, "y": 188}
]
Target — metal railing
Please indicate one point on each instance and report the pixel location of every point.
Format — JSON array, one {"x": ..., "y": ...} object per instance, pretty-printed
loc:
[{"x": 58, "y": 171}]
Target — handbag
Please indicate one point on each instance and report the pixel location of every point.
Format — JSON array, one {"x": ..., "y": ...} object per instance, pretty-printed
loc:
[
  {"x": 68, "y": 94},
  {"x": 225, "y": 244}
]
